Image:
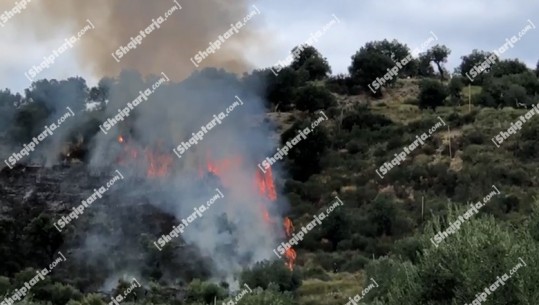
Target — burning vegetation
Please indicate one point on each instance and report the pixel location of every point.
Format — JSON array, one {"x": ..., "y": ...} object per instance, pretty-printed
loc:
[{"x": 159, "y": 164}]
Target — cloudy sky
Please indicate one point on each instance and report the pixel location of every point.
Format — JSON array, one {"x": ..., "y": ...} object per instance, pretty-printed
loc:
[{"x": 461, "y": 25}]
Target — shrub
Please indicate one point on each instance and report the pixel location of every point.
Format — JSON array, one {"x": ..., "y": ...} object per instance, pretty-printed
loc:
[
  {"x": 264, "y": 273},
  {"x": 432, "y": 94},
  {"x": 312, "y": 98}
]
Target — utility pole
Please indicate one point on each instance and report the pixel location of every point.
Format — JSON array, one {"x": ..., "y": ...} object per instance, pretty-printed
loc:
[
  {"x": 469, "y": 97},
  {"x": 449, "y": 136}
]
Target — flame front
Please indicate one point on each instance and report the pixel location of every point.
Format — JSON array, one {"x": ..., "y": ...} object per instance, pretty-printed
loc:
[
  {"x": 158, "y": 163},
  {"x": 266, "y": 189}
]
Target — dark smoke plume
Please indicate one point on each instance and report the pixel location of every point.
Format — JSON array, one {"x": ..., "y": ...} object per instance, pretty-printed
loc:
[{"x": 167, "y": 49}]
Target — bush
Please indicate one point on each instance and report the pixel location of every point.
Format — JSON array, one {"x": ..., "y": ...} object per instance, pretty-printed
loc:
[
  {"x": 311, "y": 61},
  {"x": 91, "y": 299},
  {"x": 5, "y": 285},
  {"x": 340, "y": 84},
  {"x": 432, "y": 94},
  {"x": 462, "y": 265},
  {"x": 317, "y": 273},
  {"x": 60, "y": 294},
  {"x": 312, "y": 98},
  {"x": 264, "y": 273},
  {"x": 271, "y": 296},
  {"x": 355, "y": 264},
  {"x": 204, "y": 292}
]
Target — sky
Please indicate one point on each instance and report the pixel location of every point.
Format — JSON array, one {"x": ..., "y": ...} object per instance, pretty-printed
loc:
[{"x": 461, "y": 25}]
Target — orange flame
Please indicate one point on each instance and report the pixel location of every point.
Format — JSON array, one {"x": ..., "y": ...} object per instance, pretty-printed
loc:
[
  {"x": 291, "y": 258},
  {"x": 288, "y": 226},
  {"x": 158, "y": 163},
  {"x": 265, "y": 185}
]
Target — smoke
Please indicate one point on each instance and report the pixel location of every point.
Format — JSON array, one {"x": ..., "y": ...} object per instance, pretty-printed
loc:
[
  {"x": 168, "y": 48},
  {"x": 232, "y": 232}
]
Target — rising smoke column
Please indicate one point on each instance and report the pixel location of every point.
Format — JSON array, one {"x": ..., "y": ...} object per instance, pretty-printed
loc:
[
  {"x": 177, "y": 110},
  {"x": 180, "y": 37},
  {"x": 233, "y": 232}
]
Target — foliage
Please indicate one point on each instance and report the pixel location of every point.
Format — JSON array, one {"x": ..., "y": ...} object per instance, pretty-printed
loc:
[
  {"x": 311, "y": 61},
  {"x": 312, "y": 98},
  {"x": 438, "y": 54},
  {"x": 264, "y": 273},
  {"x": 432, "y": 94}
]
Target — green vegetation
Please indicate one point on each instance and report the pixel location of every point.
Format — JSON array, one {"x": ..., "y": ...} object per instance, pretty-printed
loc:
[{"x": 383, "y": 231}]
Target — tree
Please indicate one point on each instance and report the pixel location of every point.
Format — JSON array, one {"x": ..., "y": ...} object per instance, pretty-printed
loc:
[
  {"x": 476, "y": 59},
  {"x": 374, "y": 59},
  {"x": 424, "y": 65},
  {"x": 508, "y": 90},
  {"x": 29, "y": 121},
  {"x": 537, "y": 69},
  {"x": 57, "y": 95},
  {"x": 392, "y": 49},
  {"x": 438, "y": 54},
  {"x": 8, "y": 104},
  {"x": 312, "y": 97},
  {"x": 336, "y": 226},
  {"x": 509, "y": 66},
  {"x": 311, "y": 61},
  {"x": 282, "y": 87},
  {"x": 305, "y": 156},
  {"x": 463, "y": 264},
  {"x": 455, "y": 90},
  {"x": 432, "y": 94},
  {"x": 382, "y": 215}
]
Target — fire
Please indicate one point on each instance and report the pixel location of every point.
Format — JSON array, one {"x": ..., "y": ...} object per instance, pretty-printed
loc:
[
  {"x": 265, "y": 185},
  {"x": 290, "y": 253},
  {"x": 266, "y": 188},
  {"x": 158, "y": 163},
  {"x": 222, "y": 167},
  {"x": 288, "y": 226},
  {"x": 291, "y": 258},
  {"x": 263, "y": 182}
]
